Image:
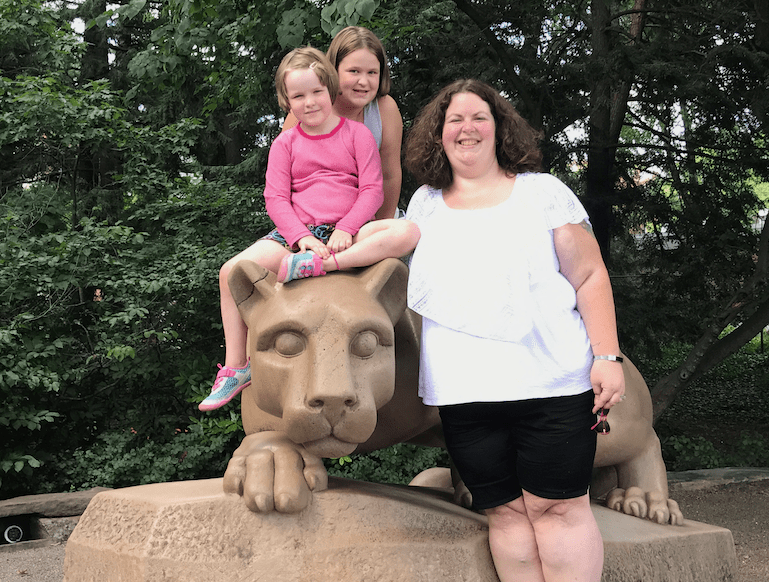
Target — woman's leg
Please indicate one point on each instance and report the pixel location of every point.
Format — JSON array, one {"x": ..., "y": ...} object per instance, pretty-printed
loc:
[
  {"x": 567, "y": 538},
  {"x": 513, "y": 543},
  {"x": 375, "y": 241},
  {"x": 266, "y": 253},
  {"x": 548, "y": 540}
]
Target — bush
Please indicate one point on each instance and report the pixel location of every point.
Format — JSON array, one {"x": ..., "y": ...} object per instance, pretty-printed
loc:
[
  {"x": 721, "y": 419},
  {"x": 397, "y": 464},
  {"x": 125, "y": 458},
  {"x": 684, "y": 453},
  {"x": 104, "y": 328}
]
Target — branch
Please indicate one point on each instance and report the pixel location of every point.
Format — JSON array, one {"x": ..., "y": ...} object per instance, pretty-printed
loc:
[
  {"x": 500, "y": 49},
  {"x": 709, "y": 351}
]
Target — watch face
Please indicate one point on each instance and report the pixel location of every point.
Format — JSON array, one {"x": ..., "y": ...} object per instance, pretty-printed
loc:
[{"x": 13, "y": 534}]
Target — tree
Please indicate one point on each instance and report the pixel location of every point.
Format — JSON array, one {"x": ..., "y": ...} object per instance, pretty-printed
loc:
[
  {"x": 133, "y": 163},
  {"x": 649, "y": 70}
]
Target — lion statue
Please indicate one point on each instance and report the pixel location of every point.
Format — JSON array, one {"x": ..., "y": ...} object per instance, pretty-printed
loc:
[{"x": 335, "y": 362}]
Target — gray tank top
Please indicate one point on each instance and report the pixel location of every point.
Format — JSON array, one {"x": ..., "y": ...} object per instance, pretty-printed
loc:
[{"x": 373, "y": 120}]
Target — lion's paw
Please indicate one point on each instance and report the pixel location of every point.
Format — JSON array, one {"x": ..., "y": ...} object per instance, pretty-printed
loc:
[
  {"x": 651, "y": 505},
  {"x": 441, "y": 478}
]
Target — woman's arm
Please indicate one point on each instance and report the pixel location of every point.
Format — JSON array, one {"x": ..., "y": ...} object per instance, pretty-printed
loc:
[
  {"x": 582, "y": 265},
  {"x": 390, "y": 152}
]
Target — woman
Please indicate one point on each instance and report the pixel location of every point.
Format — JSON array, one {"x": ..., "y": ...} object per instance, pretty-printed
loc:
[
  {"x": 364, "y": 84},
  {"x": 522, "y": 354}
]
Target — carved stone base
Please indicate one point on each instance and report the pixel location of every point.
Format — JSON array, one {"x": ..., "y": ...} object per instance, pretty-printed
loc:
[{"x": 192, "y": 532}]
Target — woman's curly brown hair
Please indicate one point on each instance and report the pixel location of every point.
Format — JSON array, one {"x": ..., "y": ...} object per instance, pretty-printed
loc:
[{"x": 517, "y": 141}]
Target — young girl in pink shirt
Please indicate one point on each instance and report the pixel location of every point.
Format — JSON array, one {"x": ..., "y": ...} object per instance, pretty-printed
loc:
[{"x": 323, "y": 188}]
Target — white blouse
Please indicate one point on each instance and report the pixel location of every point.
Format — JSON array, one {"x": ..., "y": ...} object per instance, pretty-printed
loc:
[{"x": 499, "y": 319}]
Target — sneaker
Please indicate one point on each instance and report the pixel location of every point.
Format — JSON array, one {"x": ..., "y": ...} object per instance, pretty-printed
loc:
[
  {"x": 299, "y": 266},
  {"x": 228, "y": 384}
]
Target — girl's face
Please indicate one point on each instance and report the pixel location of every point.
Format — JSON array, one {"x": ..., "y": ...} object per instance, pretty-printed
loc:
[
  {"x": 469, "y": 132},
  {"x": 359, "y": 77},
  {"x": 309, "y": 101}
]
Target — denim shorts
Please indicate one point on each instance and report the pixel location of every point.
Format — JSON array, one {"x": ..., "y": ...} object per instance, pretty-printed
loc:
[
  {"x": 545, "y": 446},
  {"x": 322, "y": 232}
]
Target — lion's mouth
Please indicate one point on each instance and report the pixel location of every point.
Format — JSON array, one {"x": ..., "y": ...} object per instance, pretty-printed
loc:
[{"x": 330, "y": 447}]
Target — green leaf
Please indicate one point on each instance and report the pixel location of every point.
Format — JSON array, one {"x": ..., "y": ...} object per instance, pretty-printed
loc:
[
  {"x": 366, "y": 8},
  {"x": 132, "y": 9},
  {"x": 103, "y": 18}
]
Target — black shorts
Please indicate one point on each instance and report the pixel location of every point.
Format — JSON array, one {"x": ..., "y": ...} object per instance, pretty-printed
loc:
[{"x": 545, "y": 446}]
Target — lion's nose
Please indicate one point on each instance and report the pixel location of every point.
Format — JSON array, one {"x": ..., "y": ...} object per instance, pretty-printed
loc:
[
  {"x": 332, "y": 393},
  {"x": 334, "y": 402}
]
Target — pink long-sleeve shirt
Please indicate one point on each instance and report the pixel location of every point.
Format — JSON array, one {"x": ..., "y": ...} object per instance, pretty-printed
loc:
[{"x": 335, "y": 178}]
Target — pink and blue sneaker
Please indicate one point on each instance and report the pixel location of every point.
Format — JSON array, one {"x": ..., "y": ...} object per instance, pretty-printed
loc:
[{"x": 228, "y": 384}]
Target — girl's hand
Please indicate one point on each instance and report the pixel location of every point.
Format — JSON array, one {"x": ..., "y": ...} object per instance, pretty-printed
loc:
[
  {"x": 339, "y": 241},
  {"x": 310, "y": 243}
]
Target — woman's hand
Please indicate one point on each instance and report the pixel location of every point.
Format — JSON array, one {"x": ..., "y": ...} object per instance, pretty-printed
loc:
[
  {"x": 310, "y": 243},
  {"x": 339, "y": 241},
  {"x": 608, "y": 382}
]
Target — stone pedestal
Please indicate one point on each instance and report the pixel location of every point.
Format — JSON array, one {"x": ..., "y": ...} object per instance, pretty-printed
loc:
[{"x": 354, "y": 532}]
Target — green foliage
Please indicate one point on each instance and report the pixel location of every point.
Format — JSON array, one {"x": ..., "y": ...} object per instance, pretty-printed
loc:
[
  {"x": 397, "y": 464},
  {"x": 341, "y": 13},
  {"x": 682, "y": 453},
  {"x": 126, "y": 458},
  {"x": 35, "y": 40},
  {"x": 752, "y": 450},
  {"x": 111, "y": 327},
  {"x": 722, "y": 419},
  {"x": 125, "y": 12},
  {"x": 133, "y": 166}
]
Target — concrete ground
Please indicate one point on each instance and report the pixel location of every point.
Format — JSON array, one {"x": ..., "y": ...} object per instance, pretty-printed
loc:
[{"x": 735, "y": 499}]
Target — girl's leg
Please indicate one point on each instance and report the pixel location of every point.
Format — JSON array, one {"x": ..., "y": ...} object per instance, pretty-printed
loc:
[
  {"x": 567, "y": 538},
  {"x": 375, "y": 241},
  {"x": 266, "y": 253},
  {"x": 235, "y": 375}
]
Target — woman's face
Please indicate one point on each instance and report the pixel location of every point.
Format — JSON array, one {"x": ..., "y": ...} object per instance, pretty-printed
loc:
[
  {"x": 469, "y": 138},
  {"x": 359, "y": 77}
]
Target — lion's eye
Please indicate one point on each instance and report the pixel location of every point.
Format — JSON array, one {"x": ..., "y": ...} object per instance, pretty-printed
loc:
[
  {"x": 364, "y": 344},
  {"x": 289, "y": 344}
]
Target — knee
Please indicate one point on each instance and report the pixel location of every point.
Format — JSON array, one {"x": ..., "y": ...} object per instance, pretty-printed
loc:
[
  {"x": 411, "y": 229},
  {"x": 507, "y": 516},
  {"x": 561, "y": 510},
  {"x": 408, "y": 233},
  {"x": 224, "y": 273}
]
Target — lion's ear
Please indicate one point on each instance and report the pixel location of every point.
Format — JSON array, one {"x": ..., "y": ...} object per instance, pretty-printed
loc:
[
  {"x": 386, "y": 281},
  {"x": 250, "y": 282}
]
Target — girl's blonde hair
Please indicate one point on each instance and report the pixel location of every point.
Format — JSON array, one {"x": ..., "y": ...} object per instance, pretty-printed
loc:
[
  {"x": 305, "y": 58},
  {"x": 351, "y": 39}
]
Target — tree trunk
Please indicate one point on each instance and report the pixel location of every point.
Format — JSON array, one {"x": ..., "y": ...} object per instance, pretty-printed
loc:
[{"x": 608, "y": 105}]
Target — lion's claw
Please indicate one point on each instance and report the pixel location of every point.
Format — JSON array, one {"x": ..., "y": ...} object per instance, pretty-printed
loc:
[
  {"x": 272, "y": 473},
  {"x": 652, "y": 505}
]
